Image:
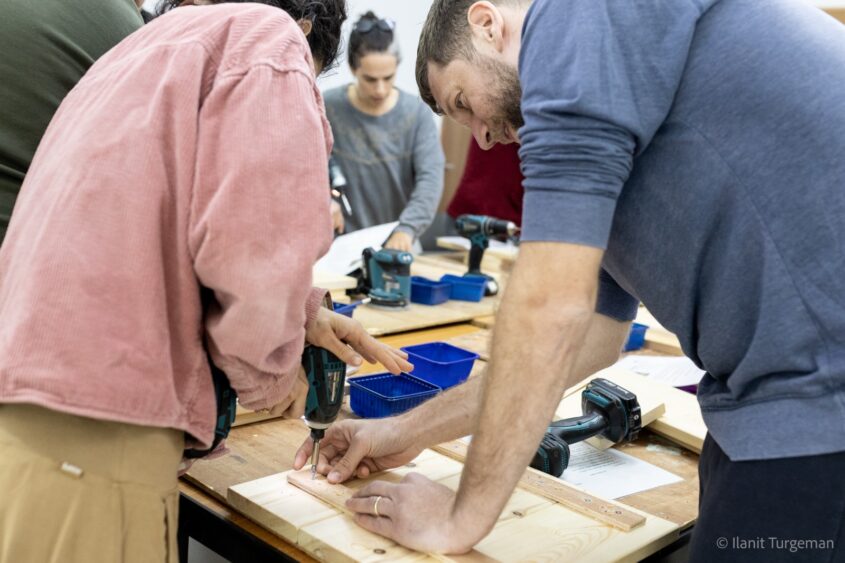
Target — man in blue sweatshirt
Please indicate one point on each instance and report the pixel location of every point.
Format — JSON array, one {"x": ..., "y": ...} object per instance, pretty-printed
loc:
[{"x": 686, "y": 154}]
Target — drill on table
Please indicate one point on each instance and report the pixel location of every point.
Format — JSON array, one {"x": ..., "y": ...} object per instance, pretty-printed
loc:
[
  {"x": 385, "y": 277},
  {"x": 610, "y": 411},
  {"x": 326, "y": 375},
  {"x": 479, "y": 229}
]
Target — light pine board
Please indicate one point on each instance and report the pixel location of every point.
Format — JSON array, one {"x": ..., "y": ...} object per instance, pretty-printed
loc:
[
  {"x": 478, "y": 342},
  {"x": 682, "y": 422},
  {"x": 379, "y": 321},
  {"x": 564, "y": 493},
  {"x": 332, "y": 282},
  {"x": 245, "y": 416},
  {"x": 657, "y": 338},
  {"x": 530, "y": 527}
]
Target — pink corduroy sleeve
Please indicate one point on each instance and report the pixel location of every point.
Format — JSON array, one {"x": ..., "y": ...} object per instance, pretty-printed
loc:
[{"x": 259, "y": 220}]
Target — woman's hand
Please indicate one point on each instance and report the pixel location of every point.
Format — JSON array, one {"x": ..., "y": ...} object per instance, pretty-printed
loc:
[
  {"x": 400, "y": 240},
  {"x": 347, "y": 339}
]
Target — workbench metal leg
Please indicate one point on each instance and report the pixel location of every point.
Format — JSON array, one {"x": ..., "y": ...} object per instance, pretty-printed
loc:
[{"x": 221, "y": 536}]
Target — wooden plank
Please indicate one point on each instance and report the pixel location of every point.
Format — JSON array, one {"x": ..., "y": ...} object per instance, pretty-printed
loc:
[
  {"x": 304, "y": 520},
  {"x": 836, "y": 12},
  {"x": 332, "y": 282},
  {"x": 556, "y": 533},
  {"x": 657, "y": 338},
  {"x": 245, "y": 416},
  {"x": 530, "y": 528},
  {"x": 229, "y": 513},
  {"x": 478, "y": 342},
  {"x": 484, "y": 322},
  {"x": 561, "y": 492},
  {"x": 379, "y": 321},
  {"x": 682, "y": 422},
  {"x": 521, "y": 515}
]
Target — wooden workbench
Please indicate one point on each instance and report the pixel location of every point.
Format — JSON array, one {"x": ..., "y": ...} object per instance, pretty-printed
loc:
[{"x": 268, "y": 447}]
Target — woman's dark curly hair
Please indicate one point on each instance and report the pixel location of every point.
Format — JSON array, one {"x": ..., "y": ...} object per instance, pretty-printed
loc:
[{"x": 326, "y": 17}]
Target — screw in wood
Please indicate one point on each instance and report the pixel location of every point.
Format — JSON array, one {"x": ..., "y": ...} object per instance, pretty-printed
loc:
[{"x": 379, "y": 551}]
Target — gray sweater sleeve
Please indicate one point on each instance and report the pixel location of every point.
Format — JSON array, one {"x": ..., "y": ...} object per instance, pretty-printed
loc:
[{"x": 428, "y": 166}]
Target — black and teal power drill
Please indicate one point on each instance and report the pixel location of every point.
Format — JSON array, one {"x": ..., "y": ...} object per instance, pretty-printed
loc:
[
  {"x": 610, "y": 411},
  {"x": 479, "y": 229},
  {"x": 326, "y": 375},
  {"x": 386, "y": 277}
]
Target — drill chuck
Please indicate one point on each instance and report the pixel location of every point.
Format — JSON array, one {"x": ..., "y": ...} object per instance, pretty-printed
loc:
[{"x": 469, "y": 225}]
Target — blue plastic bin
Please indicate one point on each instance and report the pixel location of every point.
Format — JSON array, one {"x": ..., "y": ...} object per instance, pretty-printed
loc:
[
  {"x": 429, "y": 292},
  {"x": 636, "y": 338},
  {"x": 345, "y": 309},
  {"x": 440, "y": 363},
  {"x": 385, "y": 394},
  {"x": 466, "y": 288}
]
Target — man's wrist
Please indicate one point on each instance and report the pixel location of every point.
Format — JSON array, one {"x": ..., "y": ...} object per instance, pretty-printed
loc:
[{"x": 469, "y": 526}]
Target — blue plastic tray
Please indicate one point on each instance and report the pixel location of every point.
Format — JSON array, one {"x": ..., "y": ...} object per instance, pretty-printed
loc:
[
  {"x": 466, "y": 288},
  {"x": 385, "y": 394},
  {"x": 429, "y": 292},
  {"x": 345, "y": 309},
  {"x": 636, "y": 338},
  {"x": 440, "y": 363}
]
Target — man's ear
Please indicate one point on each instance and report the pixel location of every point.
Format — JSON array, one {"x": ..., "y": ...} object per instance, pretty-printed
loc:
[
  {"x": 306, "y": 26},
  {"x": 486, "y": 25}
]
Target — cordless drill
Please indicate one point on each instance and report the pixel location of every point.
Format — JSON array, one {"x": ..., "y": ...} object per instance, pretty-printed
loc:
[
  {"x": 479, "y": 229},
  {"x": 338, "y": 184},
  {"x": 385, "y": 277},
  {"x": 326, "y": 375},
  {"x": 610, "y": 411}
]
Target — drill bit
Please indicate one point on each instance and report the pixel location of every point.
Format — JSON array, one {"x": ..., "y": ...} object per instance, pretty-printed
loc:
[{"x": 315, "y": 457}]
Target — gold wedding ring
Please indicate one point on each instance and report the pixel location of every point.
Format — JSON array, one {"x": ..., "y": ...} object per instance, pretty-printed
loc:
[{"x": 375, "y": 507}]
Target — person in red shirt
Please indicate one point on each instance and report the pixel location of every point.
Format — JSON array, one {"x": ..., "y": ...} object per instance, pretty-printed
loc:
[{"x": 491, "y": 184}]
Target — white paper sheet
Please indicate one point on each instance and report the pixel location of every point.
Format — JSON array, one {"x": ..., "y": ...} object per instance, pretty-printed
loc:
[
  {"x": 612, "y": 474},
  {"x": 674, "y": 371},
  {"x": 345, "y": 253}
]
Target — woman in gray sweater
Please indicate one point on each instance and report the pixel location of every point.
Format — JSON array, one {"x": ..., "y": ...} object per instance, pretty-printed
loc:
[{"x": 386, "y": 141}]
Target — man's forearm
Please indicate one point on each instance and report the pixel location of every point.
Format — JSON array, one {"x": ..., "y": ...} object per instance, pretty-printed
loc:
[
  {"x": 448, "y": 416},
  {"x": 537, "y": 338}
]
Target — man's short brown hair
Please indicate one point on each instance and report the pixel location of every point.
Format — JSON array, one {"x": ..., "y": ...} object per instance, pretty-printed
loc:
[{"x": 444, "y": 38}]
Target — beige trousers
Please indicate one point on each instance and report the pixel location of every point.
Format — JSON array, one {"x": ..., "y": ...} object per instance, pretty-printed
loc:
[{"x": 75, "y": 489}]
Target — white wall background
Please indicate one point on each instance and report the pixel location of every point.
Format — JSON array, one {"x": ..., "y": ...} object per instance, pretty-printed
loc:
[{"x": 409, "y": 16}]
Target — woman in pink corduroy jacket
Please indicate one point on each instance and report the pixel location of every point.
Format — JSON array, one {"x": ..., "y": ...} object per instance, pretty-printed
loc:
[{"x": 190, "y": 161}]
